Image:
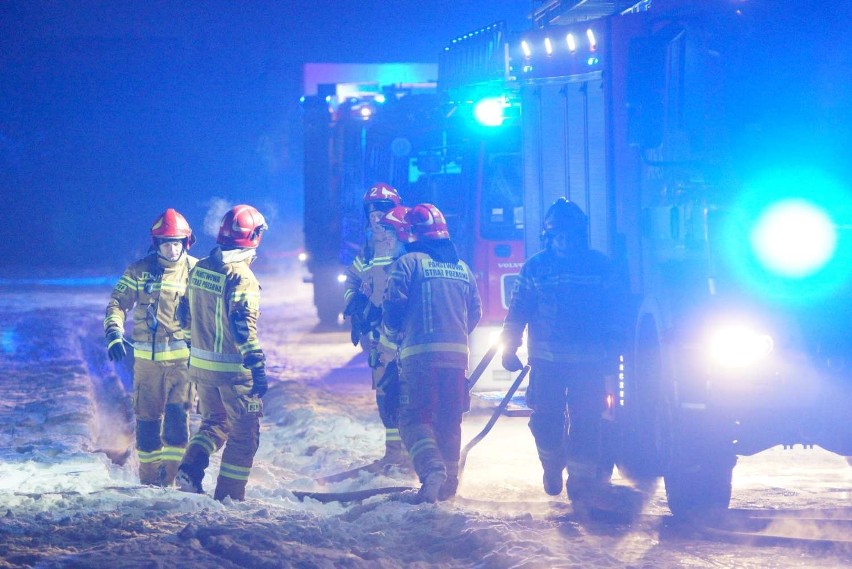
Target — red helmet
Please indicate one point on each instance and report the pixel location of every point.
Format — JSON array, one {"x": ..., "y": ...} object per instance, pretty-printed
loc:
[
  {"x": 395, "y": 219},
  {"x": 427, "y": 222},
  {"x": 242, "y": 227},
  {"x": 171, "y": 225},
  {"x": 381, "y": 197}
]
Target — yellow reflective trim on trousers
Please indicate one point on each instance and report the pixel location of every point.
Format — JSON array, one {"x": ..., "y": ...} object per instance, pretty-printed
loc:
[
  {"x": 216, "y": 366},
  {"x": 421, "y": 446},
  {"x": 205, "y": 442},
  {"x": 162, "y": 356},
  {"x": 435, "y": 347},
  {"x": 149, "y": 457},
  {"x": 392, "y": 435},
  {"x": 217, "y": 342},
  {"x": 174, "y": 454},
  {"x": 234, "y": 472}
]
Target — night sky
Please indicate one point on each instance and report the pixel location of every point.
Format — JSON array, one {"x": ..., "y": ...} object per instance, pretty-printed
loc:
[{"x": 111, "y": 112}]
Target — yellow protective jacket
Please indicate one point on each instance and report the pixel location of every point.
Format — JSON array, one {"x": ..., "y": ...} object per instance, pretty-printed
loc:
[
  {"x": 222, "y": 308},
  {"x": 429, "y": 308},
  {"x": 152, "y": 287}
]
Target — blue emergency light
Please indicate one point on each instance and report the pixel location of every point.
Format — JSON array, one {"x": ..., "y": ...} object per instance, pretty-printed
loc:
[
  {"x": 490, "y": 111},
  {"x": 787, "y": 236},
  {"x": 794, "y": 238}
]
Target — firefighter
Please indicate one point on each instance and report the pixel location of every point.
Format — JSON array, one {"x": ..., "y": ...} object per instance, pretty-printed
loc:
[
  {"x": 152, "y": 287},
  {"x": 227, "y": 364},
  {"x": 567, "y": 297},
  {"x": 363, "y": 290},
  {"x": 431, "y": 305}
]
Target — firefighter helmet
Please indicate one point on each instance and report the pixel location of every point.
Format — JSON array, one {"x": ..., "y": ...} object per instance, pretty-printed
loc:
[
  {"x": 381, "y": 197},
  {"x": 171, "y": 225},
  {"x": 395, "y": 219},
  {"x": 565, "y": 216},
  {"x": 427, "y": 223},
  {"x": 242, "y": 226}
]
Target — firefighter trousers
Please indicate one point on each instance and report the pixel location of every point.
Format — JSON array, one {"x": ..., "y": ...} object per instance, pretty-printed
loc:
[
  {"x": 567, "y": 401},
  {"x": 386, "y": 384},
  {"x": 430, "y": 416},
  {"x": 161, "y": 392},
  {"x": 230, "y": 417}
]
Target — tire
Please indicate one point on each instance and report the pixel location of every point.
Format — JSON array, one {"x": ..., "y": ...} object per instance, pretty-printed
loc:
[
  {"x": 702, "y": 486},
  {"x": 608, "y": 451},
  {"x": 698, "y": 476},
  {"x": 645, "y": 422}
]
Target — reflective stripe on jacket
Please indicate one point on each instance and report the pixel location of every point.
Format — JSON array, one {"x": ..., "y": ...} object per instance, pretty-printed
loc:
[
  {"x": 223, "y": 304},
  {"x": 152, "y": 287},
  {"x": 430, "y": 307},
  {"x": 569, "y": 305}
]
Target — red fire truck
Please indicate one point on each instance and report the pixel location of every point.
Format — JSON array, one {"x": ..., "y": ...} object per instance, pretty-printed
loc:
[
  {"x": 707, "y": 141},
  {"x": 431, "y": 149}
]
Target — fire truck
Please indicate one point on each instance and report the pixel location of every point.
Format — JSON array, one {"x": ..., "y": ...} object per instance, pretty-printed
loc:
[
  {"x": 432, "y": 150},
  {"x": 707, "y": 142}
]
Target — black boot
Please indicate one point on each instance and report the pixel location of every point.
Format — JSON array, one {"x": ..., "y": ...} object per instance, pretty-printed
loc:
[
  {"x": 189, "y": 479},
  {"x": 552, "y": 480}
]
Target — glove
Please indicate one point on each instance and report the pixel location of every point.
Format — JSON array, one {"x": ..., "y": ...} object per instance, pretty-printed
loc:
[
  {"x": 255, "y": 361},
  {"x": 259, "y": 386},
  {"x": 356, "y": 305},
  {"x": 511, "y": 361},
  {"x": 357, "y": 326},
  {"x": 115, "y": 345}
]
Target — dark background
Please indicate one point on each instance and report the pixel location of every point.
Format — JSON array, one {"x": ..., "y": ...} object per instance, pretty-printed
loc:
[{"x": 112, "y": 111}]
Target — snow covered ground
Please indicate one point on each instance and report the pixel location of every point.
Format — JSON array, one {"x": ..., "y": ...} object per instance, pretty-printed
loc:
[{"x": 69, "y": 496}]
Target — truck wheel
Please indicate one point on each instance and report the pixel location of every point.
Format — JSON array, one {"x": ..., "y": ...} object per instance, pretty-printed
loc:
[
  {"x": 645, "y": 420},
  {"x": 700, "y": 487},
  {"x": 608, "y": 451}
]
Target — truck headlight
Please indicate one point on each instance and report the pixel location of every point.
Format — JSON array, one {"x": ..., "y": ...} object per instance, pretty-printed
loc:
[{"x": 738, "y": 345}]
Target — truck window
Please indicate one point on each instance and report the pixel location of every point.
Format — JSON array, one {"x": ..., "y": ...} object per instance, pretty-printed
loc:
[{"x": 502, "y": 214}]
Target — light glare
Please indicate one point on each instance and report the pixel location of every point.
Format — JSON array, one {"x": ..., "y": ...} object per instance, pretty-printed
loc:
[
  {"x": 794, "y": 238},
  {"x": 593, "y": 42},
  {"x": 572, "y": 43},
  {"x": 489, "y": 111},
  {"x": 738, "y": 345}
]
